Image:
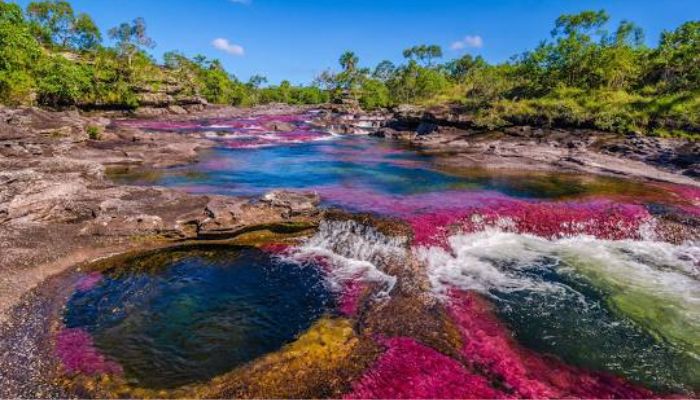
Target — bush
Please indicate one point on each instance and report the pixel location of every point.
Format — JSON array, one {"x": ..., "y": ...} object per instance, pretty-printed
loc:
[
  {"x": 374, "y": 95},
  {"x": 62, "y": 82},
  {"x": 94, "y": 132}
]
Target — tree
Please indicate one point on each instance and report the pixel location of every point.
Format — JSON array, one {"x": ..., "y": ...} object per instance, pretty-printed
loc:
[
  {"x": 131, "y": 38},
  {"x": 351, "y": 76},
  {"x": 423, "y": 53},
  {"x": 348, "y": 61},
  {"x": 61, "y": 82},
  {"x": 676, "y": 62},
  {"x": 384, "y": 71},
  {"x": 256, "y": 81},
  {"x": 19, "y": 54},
  {"x": 85, "y": 33},
  {"x": 55, "y": 23},
  {"x": 458, "y": 69},
  {"x": 581, "y": 24},
  {"x": 53, "y": 19},
  {"x": 619, "y": 57},
  {"x": 375, "y": 94}
]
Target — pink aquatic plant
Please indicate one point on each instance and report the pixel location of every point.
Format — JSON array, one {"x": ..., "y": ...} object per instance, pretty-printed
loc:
[
  {"x": 351, "y": 294},
  {"x": 433, "y": 216},
  {"x": 247, "y": 132},
  {"x": 410, "y": 370},
  {"x": 78, "y": 354},
  {"x": 88, "y": 281},
  {"x": 276, "y": 248},
  {"x": 490, "y": 347},
  {"x": 600, "y": 218}
]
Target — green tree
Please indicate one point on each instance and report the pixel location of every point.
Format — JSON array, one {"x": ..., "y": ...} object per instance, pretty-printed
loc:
[
  {"x": 384, "y": 71},
  {"x": 256, "y": 81},
  {"x": 423, "y": 53},
  {"x": 351, "y": 76},
  {"x": 676, "y": 62},
  {"x": 349, "y": 61},
  {"x": 375, "y": 94},
  {"x": 86, "y": 35},
  {"x": 55, "y": 22},
  {"x": 61, "y": 82},
  {"x": 19, "y": 54},
  {"x": 131, "y": 38},
  {"x": 620, "y": 57},
  {"x": 458, "y": 69}
]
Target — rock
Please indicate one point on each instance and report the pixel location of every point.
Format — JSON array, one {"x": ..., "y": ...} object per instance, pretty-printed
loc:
[
  {"x": 149, "y": 112},
  {"x": 177, "y": 110},
  {"x": 297, "y": 203},
  {"x": 426, "y": 128},
  {"x": 279, "y": 126},
  {"x": 155, "y": 99}
]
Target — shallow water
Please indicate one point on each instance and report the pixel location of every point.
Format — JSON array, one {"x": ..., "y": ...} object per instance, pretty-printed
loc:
[
  {"x": 575, "y": 267},
  {"x": 361, "y": 164},
  {"x": 186, "y": 316}
]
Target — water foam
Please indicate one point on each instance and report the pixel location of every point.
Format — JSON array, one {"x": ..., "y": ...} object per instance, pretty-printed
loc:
[
  {"x": 655, "y": 284},
  {"x": 353, "y": 252}
]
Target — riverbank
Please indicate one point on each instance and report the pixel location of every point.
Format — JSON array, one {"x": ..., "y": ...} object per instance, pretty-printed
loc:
[{"x": 452, "y": 129}]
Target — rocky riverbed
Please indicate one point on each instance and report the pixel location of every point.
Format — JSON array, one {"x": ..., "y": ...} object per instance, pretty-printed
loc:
[{"x": 59, "y": 210}]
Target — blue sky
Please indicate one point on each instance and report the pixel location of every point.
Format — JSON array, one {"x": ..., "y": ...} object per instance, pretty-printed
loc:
[{"x": 297, "y": 39}]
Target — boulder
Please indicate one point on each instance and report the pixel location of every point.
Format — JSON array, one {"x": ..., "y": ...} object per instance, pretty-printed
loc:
[{"x": 297, "y": 203}]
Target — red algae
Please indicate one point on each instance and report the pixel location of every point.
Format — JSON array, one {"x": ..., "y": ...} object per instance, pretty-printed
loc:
[
  {"x": 241, "y": 133},
  {"x": 490, "y": 347},
  {"x": 276, "y": 248},
  {"x": 600, "y": 218},
  {"x": 410, "y": 370},
  {"x": 349, "y": 302},
  {"x": 78, "y": 354},
  {"x": 433, "y": 215}
]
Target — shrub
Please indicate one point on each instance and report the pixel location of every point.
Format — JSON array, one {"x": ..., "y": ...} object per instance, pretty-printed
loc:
[{"x": 94, "y": 132}]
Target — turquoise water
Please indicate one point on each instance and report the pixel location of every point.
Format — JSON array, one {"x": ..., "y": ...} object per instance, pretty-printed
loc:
[{"x": 356, "y": 165}]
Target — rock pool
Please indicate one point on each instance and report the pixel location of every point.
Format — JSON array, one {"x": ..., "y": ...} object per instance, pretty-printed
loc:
[
  {"x": 432, "y": 282},
  {"x": 188, "y": 315}
]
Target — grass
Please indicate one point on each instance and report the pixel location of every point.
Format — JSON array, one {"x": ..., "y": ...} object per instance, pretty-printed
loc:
[{"x": 671, "y": 115}]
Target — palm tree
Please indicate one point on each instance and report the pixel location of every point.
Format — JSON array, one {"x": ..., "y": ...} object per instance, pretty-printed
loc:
[{"x": 349, "y": 61}]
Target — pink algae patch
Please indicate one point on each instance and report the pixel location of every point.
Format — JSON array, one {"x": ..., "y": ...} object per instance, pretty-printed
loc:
[
  {"x": 489, "y": 346},
  {"x": 349, "y": 302},
  {"x": 276, "y": 248},
  {"x": 409, "y": 370},
  {"x": 78, "y": 354},
  {"x": 687, "y": 197},
  {"x": 88, "y": 282},
  {"x": 600, "y": 218},
  {"x": 433, "y": 216},
  {"x": 241, "y": 132}
]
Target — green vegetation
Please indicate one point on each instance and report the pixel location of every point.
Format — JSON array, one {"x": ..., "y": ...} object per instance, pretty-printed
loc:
[
  {"x": 51, "y": 56},
  {"x": 584, "y": 75},
  {"x": 94, "y": 133}
]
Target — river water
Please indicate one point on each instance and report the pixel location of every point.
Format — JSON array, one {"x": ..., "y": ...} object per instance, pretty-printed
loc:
[{"x": 574, "y": 268}]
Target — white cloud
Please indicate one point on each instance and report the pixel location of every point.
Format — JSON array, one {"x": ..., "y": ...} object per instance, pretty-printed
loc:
[
  {"x": 469, "y": 41},
  {"x": 228, "y": 47}
]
